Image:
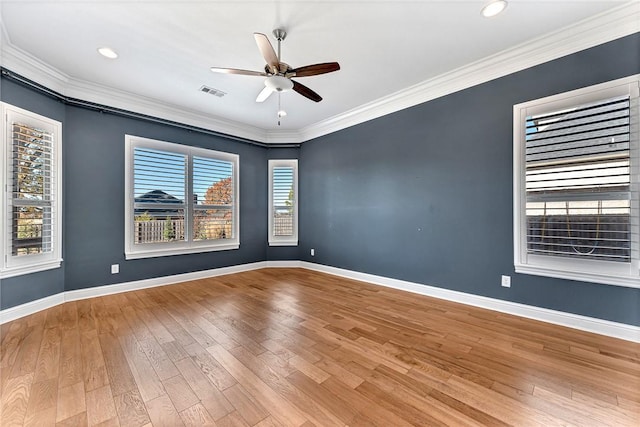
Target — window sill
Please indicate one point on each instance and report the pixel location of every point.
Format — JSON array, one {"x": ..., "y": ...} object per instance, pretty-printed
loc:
[
  {"x": 182, "y": 251},
  {"x": 28, "y": 269},
  {"x": 602, "y": 278},
  {"x": 283, "y": 243}
]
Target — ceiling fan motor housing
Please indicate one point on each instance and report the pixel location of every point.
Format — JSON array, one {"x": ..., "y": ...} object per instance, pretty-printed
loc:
[{"x": 282, "y": 69}]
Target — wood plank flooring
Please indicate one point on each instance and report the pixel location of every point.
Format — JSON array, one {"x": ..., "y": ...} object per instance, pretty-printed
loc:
[{"x": 292, "y": 347}]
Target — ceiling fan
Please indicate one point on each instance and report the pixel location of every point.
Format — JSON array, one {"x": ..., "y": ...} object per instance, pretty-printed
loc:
[{"x": 279, "y": 74}]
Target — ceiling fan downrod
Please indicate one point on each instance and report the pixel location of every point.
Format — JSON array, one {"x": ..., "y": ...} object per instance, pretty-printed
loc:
[{"x": 280, "y": 35}]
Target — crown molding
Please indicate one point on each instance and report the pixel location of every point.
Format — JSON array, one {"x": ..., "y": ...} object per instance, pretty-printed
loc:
[
  {"x": 613, "y": 24},
  {"x": 104, "y": 95},
  {"x": 608, "y": 26},
  {"x": 283, "y": 137},
  {"x": 27, "y": 65}
]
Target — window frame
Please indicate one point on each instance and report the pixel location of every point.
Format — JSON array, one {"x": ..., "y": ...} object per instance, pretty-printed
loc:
[
  {"x": 587, "y": 270},
  {"x": 283, "y": 240},
  {"x": 188, "y": 245},
  {"x": 10, "y": 265}
]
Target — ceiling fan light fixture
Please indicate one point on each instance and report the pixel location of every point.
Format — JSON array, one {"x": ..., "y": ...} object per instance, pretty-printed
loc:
[
  {"x": 494, "y": 8},
  {"x": 278, "y": 83},
  {"x": 107, "y": 52}
]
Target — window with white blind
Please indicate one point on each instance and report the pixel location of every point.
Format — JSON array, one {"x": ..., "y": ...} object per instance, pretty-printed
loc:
[
  {"x": 31, "y": 177},
  {"x": 179, "y": 199},
  {"x": 283, "y": 206},
  {"x": 576, "y": 176}
]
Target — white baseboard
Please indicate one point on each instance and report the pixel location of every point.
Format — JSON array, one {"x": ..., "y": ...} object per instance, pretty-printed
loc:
[
  {"x": 584, "y": 323},
  {"x": 31, "y": 307},
  {"x": 575, "y": 321},
  {"x": 22, "y": 310},
  {"x": 284, "y": 264},
  {"x": 99, "y": 291}
]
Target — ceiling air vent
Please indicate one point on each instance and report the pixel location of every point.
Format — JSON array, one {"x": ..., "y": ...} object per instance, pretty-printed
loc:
[{"x": 212, "y": 91}]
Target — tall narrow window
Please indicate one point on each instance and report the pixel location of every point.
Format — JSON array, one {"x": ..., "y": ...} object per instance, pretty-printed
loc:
[
  {"x": 31, "y": 179},
  {"x": 577, "y": 209},
  {"x": 283, "y": 207},
  {"x": 180, "y": 199}
]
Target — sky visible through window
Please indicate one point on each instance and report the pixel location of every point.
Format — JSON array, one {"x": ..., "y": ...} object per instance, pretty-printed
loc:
[{"x": 282, "y": 186}]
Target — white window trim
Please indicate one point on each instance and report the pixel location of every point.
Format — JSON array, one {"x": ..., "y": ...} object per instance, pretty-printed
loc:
[
  {"x": 27, "y": 264},
  {"x": 284, "y": 240},
  {"x": 188, "y": 246},
  {"x": 605, "y": 272}
]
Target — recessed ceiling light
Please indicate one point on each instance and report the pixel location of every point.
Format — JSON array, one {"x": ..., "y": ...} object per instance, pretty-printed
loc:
[
  {"x": 107, "y": 52},
  {"x": 493, "y": 8}
]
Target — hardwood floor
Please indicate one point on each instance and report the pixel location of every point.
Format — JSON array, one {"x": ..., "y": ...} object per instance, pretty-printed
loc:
[{"x": 293, "y": 347}]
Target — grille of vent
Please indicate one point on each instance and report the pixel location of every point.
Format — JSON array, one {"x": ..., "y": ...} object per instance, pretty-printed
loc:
[{"x": 212, "y": 91}]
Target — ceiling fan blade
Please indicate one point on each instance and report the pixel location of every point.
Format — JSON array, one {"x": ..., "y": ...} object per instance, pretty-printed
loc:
[
  {"x": 266, "y": 49},
  {"x": 237, "y": 71},
  {"x": 264, "y": 94},
  {"x": 306, "y": 92},
  {"x": 315, "y": 69}
]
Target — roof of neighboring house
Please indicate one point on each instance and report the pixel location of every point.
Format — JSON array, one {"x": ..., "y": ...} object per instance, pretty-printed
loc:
[{"x": 157, "y": 196}]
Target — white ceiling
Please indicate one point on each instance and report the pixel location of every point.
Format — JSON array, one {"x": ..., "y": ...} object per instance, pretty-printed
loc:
[{"x": 167, "y": 47}]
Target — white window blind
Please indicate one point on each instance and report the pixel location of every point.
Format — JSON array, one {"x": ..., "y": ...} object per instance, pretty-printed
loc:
[
  {"x": 160, "y": 192},
  {"x": 578, "y": 181},
  {"x": 32, "y": 183},
  {"x": 213, "y": 198},
  {"x": 180, "y": 199},
  {"x": 283, "y": 211},
  {"x": 283, "y": 201},
  {"x": 576, "y": 176},
  {"x": 31, "y": 188}
]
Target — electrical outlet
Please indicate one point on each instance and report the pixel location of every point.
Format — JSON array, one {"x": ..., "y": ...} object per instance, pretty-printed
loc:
[
  {"x": 313, "y": 252},
  {"x": 506, "y": 281},
  {"x": 115, "y": 268}
]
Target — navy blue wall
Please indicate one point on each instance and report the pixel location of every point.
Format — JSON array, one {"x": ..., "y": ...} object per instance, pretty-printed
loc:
[
  {"x": 93, "y": 190},
  {"x": 94, "y": 208},
  {"x": 425, "y": 194}
]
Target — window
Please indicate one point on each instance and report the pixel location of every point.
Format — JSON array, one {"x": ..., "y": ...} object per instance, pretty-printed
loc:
[
  {"x": 576, "y": 177},
  {"x": 31, "y": 177},
  {"x": 179, "y": 199},
  {"x": 283, "y": 202}
]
